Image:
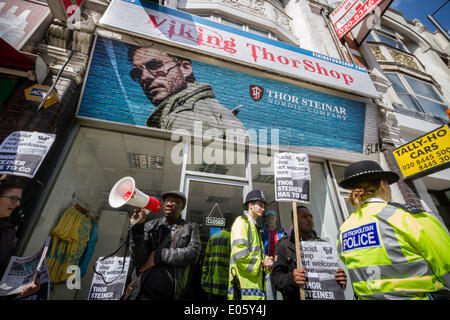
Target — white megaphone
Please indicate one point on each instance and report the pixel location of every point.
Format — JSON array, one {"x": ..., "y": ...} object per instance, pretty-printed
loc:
[{"x": 125, "y": 192}]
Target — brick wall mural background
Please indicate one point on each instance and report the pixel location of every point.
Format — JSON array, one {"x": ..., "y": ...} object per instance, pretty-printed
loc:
[{"x": 303, "y": 117}]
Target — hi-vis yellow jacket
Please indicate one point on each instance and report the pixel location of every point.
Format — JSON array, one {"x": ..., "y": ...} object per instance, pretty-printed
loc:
[
  {"x": 394, "y": 252},
  {"x": 247, "y": 255}
]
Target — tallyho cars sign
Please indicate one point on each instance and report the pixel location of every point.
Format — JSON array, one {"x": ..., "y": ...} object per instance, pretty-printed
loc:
[
  {"x": 168, "y": 25},
  {"x": 425, "y": 155}
]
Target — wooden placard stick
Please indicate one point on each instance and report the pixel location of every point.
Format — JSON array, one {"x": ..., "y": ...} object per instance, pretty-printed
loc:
[{"x": 297, "y": 245}]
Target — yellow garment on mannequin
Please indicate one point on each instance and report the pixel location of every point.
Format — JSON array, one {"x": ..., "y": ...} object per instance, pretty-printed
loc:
[{"x": 70, "y": 237}]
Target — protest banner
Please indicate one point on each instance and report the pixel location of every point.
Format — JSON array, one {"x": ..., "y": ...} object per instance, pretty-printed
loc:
[
  {"x": 22, "y": 152},
  {"x": 292, "y": 177},
  {"x": 112, "y": 285},
  {"x": 22, "y": 271},
  {"x": 320, "y": 261},
  {"x": 292, "y": 183}
]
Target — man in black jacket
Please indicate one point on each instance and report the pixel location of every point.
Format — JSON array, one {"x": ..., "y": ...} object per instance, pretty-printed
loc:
[
  {"x": 164, "y": 264},
  {"x": 286, "y": 277}
]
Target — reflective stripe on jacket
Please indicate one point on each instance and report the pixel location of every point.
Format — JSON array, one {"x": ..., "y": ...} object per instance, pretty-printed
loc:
[
  {"x": 216, "y": 264},
  {"x": 246, "y": 257},
  {"x": 392, "y": 253}
]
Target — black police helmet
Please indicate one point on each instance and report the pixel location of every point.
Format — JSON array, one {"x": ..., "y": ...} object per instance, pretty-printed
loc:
[
  {"x": 366, "y": 170},
  {"x": 254, "y": 195}
]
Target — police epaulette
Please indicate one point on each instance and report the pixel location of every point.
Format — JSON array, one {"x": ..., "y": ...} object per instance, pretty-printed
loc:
[{"x": 407, "y": 207}]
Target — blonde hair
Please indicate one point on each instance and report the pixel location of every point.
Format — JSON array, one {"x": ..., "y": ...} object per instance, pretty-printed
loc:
[{"x": 364, "y": 191}]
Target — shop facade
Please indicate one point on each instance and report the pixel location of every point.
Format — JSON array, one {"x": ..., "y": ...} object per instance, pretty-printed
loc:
[
  {"x": 414, "y": 64},
  {"x": 274, "y": 97}
]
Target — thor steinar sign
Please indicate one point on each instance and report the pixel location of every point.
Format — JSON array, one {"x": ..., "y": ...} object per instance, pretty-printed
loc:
[
  {"x": 320, "y": 261},
  {"x": 173, "y": 26},
  {"x": 22, "y": 152},
  {"x": 292, "y": 177}
]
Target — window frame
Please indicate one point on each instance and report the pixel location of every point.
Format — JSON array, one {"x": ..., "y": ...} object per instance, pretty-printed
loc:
[
  {"x": 374, "y": 34},
  {"x": 246, "y": 27},
  {"x": 414, "y": 95}
]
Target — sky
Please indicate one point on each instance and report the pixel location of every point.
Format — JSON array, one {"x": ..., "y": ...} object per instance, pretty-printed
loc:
[{"x": 421, "y": 8}]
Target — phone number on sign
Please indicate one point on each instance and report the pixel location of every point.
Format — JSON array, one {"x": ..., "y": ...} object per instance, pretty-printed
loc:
[{"x": 430, "y": 160}]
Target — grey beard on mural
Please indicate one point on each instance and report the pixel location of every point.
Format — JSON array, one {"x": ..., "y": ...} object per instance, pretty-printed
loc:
[{"x": 169, "y": 83}]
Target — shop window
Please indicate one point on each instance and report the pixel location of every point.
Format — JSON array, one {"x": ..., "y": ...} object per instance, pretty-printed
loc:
[
  {"x": 338, "y": 175},
  {"x": 418, "y": 95},
  {"x": 232, "y": 23},
  {"x": 216, "y": 158},
  {"x": 441, "y": 199},
  {"x": 96, "y": 161}
]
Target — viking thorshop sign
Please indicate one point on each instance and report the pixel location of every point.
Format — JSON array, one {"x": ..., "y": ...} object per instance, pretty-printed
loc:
[
  {"x": 320, "y": 261},
  {"x": 292, "y": 177},
  {"x": 21, "y": 153},
  {"x": 168, "y": 25}
]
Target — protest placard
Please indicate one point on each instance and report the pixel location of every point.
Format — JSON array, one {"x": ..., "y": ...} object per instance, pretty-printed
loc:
[
  {"x": 22, "y": 271},
  {"x": 292, "y": 177},
  {"x": 292, "y": 183},
  {"x": 320, "y": 261},
  {"x": 111, "y": 269},
  {"x": 22, "y": 152}
]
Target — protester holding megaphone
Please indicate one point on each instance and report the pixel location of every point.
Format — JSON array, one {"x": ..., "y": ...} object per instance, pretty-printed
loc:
[{"x": 162, "y": 251}]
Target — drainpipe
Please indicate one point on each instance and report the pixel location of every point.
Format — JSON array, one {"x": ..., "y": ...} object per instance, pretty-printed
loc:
[{"x": 333, "y": 34}]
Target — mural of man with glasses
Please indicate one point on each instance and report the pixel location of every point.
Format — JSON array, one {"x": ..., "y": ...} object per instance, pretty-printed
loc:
[{"x": 169, "y": 83}]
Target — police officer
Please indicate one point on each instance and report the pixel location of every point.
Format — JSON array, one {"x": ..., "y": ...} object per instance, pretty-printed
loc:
[
  {"x": 248, "y": 262},
  {"x": 392, "y": 251},
  {"x": 217, "y": 262}
]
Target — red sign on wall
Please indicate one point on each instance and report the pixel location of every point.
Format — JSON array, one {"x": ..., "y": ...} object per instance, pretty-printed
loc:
[{"x": 351, "y": 12}]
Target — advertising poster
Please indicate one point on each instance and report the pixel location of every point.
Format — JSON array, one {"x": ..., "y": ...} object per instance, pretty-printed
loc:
[
  {"x": 22, "y": 152},
  {"x": 148, "y": 87},
  {"x": 320, "y": 261},
  {"x": 292, "y": 177},
  {"x": 111, "y": 269}
]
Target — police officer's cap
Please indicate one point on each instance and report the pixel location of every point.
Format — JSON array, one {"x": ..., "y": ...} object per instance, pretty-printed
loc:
[
  {"x": 366, "y": 170},
  {"x": 254, "y": 195},
  {"x": 177, "y": 194}
]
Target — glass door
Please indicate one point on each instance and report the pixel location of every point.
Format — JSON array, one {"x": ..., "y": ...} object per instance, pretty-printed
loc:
[{"x": 213, "y": 204}]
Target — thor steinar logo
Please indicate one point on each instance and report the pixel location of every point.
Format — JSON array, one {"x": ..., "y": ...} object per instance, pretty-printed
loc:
[
  {"x": 304, "y": 104},
  {"x": 256, "y": 92}
]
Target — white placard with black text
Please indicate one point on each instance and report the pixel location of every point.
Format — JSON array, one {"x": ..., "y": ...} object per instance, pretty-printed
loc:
[
  {"x": 292, "y": 177},
  {"x": 22, "y": 152}
]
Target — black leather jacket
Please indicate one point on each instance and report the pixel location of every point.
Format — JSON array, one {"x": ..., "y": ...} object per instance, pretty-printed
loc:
[
  {"x": 285, "y": 262},
  {"x": 175, "y": 258}
]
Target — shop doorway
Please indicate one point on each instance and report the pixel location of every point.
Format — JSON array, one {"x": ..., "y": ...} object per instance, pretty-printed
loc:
[{"x": 214, "y": 204}]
